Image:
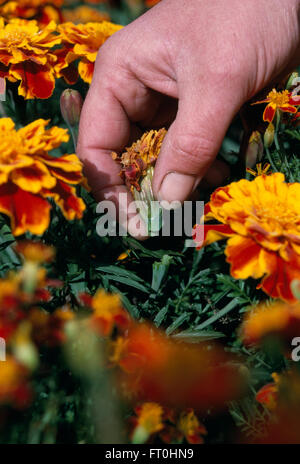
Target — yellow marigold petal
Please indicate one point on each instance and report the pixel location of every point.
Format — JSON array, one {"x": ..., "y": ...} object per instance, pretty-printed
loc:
[
  {"x": 27, "y": 212},
  {"x": 86, "y": 71},
  {"x": 244, "y": 256}
]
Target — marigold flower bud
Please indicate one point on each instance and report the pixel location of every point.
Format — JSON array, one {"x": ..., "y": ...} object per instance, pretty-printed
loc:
[
  {"x": 70, "y": 105},
  {"x": 293, "y": 80},
  {"x": 269, "y": 135},
  {"x": 254, "y": 150}
]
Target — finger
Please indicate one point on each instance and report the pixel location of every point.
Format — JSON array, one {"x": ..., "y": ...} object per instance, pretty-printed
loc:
[
  {"x": 193, "y": 140},
  {"x": 104, "y": 127}
]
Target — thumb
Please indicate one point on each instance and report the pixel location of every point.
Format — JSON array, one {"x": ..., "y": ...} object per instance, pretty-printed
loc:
[{"x": 192, "y": 142}]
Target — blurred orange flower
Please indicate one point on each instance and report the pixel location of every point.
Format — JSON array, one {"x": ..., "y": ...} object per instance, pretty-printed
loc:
[
  {"x": 29, "y": 175},
  {"x": 260, "y": 219},
  {"x": 25, "y": 56},
  {"x": 149, "y": 417},
  {"x": 283, "y": 425},
  {"x": 81, "y": 41},
  {"x": 84, "y": 14},
  {"x": 268, "y": 394},
  {"x": 152, "y": 420},
  {"x": 14, "y": 389},
  {"x": 158, "y": 369},
  {"x": 44, "y": 11},
  {"x": 279, "y": 319},
  {"x": 191, "y": 428},
  {"x": 108, "y": 312},
  {"x": 36, "y": 252}
]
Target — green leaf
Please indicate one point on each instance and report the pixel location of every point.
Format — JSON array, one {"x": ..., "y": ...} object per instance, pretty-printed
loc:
[{"x": 229, "y": 307}]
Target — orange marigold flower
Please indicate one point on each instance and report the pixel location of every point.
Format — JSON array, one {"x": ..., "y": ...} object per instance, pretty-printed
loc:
[
  {"x": 260, "y": 219},
  {"x": 140, "y": 156},
  {"x": 280, "y": 319},
  {"x": 25, "y": 56},
  {"x": 191, "y": 428},
  {"x": 14, "y": 388},
  {"x": 108, "y": 312},
  {"x": 84, "y": 14},
  {"x": 81, "y": 41},
  {"x": 29, "y": 175},
  {"x": 282, "y": 101}
]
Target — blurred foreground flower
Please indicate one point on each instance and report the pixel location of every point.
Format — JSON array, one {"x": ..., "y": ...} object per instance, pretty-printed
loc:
[
  {"x": 29, "y": 175},
  {"x": 151, "y": 420},
  {"x": 14, "y": 387},
  {"x": 283, "y": 426},
  {"x": 279, "y": 320},
  {"x": 260, "y": 219},
  {"x": 25, "y": 56},
  {"x": 268, "y": 394},
  {"x": 81, "y": 41},
  {"x": 159, "y": 369}
]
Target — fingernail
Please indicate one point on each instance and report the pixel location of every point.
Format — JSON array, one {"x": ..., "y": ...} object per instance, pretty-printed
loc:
[{"x": 176, "y": 187}]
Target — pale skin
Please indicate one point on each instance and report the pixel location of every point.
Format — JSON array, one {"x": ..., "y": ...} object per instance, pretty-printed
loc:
[{"x": 189, "y": 65}]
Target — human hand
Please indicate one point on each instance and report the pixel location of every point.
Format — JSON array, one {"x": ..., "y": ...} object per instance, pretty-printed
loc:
[{"x": 190, "y": 65}]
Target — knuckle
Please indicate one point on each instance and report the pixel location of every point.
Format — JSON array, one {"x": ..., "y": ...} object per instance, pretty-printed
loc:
[{"x": 193, "y": 147}]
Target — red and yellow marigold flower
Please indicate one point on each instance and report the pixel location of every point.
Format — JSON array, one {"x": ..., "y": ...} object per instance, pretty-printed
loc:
[
  {"x": 26, "y": 56},
  {"x": 278, "y": 319},
  {"x": 14, "y": 388},
  {"x": 260, "y": 219},
  {"x": 81, "y": 41},
  {"x": 282, "y": 101},
  {"x": 29, "y": 175},
  {"x": 44, "y": 11}
]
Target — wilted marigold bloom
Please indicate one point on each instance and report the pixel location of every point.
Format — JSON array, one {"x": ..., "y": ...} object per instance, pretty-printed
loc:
[
  {"x": 26, "y": 56},
  {"x": 282, "y": 101},
  {"x": 261, "y": 221},
  {"x": 14, "y": 387},
  {"x": 44, "y": 11},
  {"x": 139, "y": 157},
  {"x": 279, "y": 319},
  {"x": 81, "y": 41},
  {"x": 29, "y": 175},
  {"x": 84, "y": 14}
]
